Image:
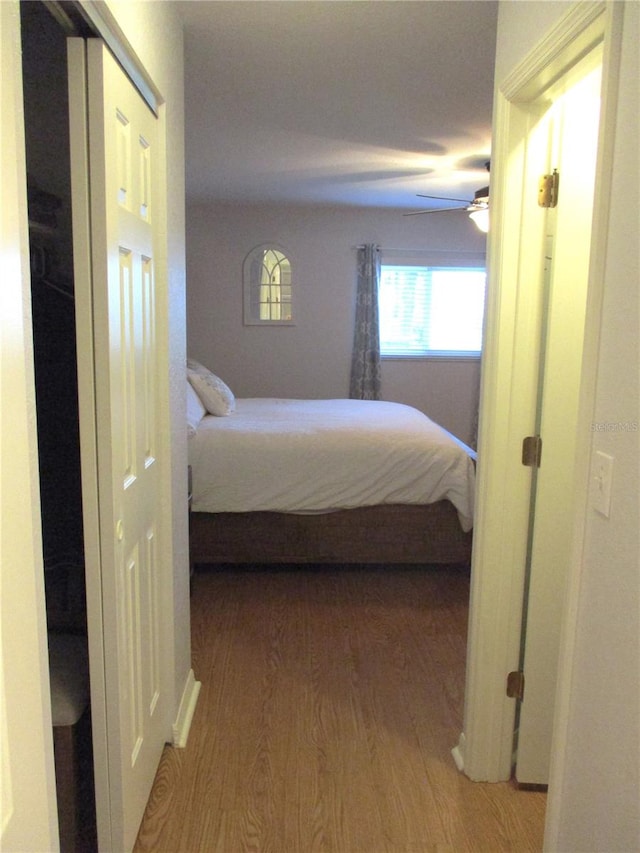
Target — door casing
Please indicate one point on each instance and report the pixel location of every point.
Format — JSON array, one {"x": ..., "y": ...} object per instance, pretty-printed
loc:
[
  {"x": 571, "y": 125},
  {"x": 509, "y": 376}
]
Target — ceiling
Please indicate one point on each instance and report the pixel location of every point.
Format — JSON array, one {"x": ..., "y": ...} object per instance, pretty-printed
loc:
[{"x": 362, "y": 103}]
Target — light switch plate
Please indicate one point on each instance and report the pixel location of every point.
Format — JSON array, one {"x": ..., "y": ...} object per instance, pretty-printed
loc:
[{"x": 602, "y": 477}]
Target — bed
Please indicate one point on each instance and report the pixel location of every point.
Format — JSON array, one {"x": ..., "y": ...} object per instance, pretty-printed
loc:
[{"x": 324, "y": 481}]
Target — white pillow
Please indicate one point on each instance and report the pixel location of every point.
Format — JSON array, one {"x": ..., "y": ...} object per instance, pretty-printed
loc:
[
  {"x": 216, "y": 395},
  {"x": 195, "y": 410}
]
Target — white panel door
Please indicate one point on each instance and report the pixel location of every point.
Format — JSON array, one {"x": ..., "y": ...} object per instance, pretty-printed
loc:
[
  {"x": 119, "y": 405},
  {"x": 573, "y": 129}
]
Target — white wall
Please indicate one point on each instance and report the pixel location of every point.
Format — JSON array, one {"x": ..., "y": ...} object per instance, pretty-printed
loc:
[{"x": 313, "y": 358}]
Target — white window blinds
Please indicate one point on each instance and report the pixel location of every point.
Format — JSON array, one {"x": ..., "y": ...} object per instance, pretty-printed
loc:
[{"x": 431, "y": 310}]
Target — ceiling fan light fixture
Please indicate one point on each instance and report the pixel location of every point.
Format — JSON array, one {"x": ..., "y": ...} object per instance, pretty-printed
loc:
[
  {"x": 480, "y": 217},
  {"x": 481, "y": 197},
  {"x": 479, "y": 209}
]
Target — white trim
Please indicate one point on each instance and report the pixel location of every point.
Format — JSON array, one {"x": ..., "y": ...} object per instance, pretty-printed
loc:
[
  {"x": 79, "y": 153},
  {"x": 188, "y": 702},
  {"x": 502, "y": 501},
  {"x": 458, "y": 753},
  {"x": 502, "y": 488}
]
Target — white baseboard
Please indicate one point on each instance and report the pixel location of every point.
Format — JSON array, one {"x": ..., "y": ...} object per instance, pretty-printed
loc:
[
  {"x": 458, "y": 753},
  {"x": 188, "y": 702}
]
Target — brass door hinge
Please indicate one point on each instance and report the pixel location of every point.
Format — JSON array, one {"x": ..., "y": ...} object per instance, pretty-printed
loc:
[
  {"x": 515, "y": 685},
  {"x": 531, "y": 451},
  {"x": 548, "y": 189}
]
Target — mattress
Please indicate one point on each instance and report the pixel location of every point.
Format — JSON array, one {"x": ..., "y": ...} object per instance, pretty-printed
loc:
[{"x": 307, "y": 456}]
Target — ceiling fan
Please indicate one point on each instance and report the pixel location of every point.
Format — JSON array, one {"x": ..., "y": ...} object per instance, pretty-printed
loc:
[{"x": 477, "y": 207}]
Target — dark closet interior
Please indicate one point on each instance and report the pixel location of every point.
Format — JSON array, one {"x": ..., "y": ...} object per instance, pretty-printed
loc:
[{"x": 55, "y": 366}]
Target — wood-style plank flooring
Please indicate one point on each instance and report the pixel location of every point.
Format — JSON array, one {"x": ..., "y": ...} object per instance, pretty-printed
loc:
[{"x": 330, "y": 701}]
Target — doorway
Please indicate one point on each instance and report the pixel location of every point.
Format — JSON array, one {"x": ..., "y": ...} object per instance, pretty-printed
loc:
[
  {"x": 510, "y": 381},
  {"x": 570, "y": 127}
]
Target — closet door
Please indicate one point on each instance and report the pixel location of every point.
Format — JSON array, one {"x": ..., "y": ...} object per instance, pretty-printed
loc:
[{"x": 116, "y": 197}]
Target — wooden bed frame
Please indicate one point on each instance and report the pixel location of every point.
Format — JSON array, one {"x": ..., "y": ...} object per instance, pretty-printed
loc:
[{"x": 378, "y": 534}]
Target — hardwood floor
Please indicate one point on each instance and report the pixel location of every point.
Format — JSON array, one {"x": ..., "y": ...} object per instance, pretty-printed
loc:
[{"x": 330, "y": 701}]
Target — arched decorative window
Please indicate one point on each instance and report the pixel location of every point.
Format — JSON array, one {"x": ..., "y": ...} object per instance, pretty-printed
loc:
[{"x": 267, "y": 287}]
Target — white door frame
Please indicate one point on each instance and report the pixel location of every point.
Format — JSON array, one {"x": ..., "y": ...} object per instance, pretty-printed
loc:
[
  {"x": 508, "y": 376},
  {"x": 571, "y": 124},
  {"x": 28, "y": 817}
]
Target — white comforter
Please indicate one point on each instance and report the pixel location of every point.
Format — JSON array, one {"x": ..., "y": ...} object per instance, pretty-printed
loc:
[{"x": 320, "y": 455}]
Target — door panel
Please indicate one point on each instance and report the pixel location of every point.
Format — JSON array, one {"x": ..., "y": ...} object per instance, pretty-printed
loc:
[
  {"x": 573, "y": 123},
  {"x": 119, "y": 397}
]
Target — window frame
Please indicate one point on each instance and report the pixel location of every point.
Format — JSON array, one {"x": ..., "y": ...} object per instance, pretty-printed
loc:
[
  {"x": 254, "y": 260},
  {"x": 434, "y": 260}
]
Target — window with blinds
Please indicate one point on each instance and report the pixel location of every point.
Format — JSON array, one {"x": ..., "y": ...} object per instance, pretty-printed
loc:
[{"x": 431, "y": 311}]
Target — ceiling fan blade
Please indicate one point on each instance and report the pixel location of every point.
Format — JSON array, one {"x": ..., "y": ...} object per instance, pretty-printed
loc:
[
  {"x": 435, "y": 210},
  {"x": 442, "y": 198}
]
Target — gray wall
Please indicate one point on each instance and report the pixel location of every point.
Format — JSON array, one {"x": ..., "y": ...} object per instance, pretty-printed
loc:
[{"x": 312, "y": 358}]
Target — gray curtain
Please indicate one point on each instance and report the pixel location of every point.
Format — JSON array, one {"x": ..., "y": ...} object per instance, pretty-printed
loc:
[{"x": 365, "y": 361}]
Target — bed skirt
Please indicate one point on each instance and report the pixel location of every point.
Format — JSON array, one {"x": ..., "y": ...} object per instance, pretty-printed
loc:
[{"x": 378, "y": 534}]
